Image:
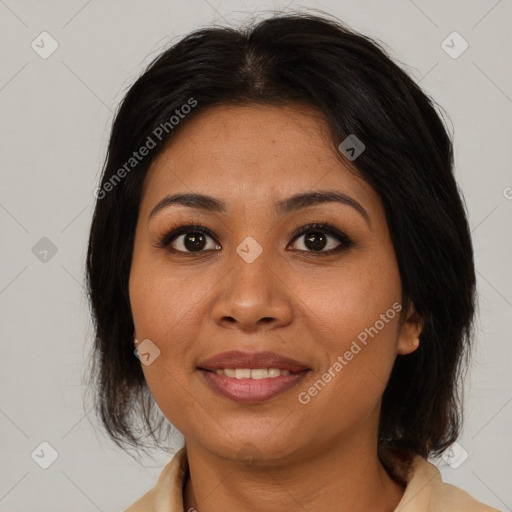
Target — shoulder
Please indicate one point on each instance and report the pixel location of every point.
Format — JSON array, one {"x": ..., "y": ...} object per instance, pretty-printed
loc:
[
  {"x": 166, "y": 495},
  {"x": 450, "y": 498},
  {"x": 425, "y": 491}
]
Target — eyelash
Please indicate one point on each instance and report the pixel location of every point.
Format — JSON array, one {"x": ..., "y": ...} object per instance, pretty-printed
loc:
[{"x": 323, "y": 227}]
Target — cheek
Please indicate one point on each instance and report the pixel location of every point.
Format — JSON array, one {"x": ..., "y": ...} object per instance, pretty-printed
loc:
[
  {"x": 162, "y": 308},
  {"x": 355, "y": 322},
  {"x": 162, "y": 299},
  {"x": 167, "y": 308},
  {"x": 348, "y": 299},
  {"x": 350, "y": 385}
]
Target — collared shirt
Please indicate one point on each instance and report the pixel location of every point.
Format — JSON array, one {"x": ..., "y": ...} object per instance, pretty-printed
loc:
[{"x": 424, "y": 489}]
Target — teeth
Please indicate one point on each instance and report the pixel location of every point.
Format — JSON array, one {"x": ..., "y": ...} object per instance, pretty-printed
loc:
[
  {"x": 242, "y": 373},
  {"x": 247, "y": 373},
  {"x": 259, "y": 374}
]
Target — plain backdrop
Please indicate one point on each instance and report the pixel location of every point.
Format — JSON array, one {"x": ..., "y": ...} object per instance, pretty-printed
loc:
[{"x": 55, "y": 116}]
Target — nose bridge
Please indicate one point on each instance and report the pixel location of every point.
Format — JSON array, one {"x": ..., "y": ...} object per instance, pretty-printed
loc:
[
  {"x": 251, "y": 265},
  {"x": 252, "y": 293}
]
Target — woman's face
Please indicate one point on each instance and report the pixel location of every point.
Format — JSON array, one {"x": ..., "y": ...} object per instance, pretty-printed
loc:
[{"x": 328, "y": 301}]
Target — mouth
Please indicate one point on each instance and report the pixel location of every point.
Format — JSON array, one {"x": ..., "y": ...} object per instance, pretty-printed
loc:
[
  {"x": 251, "y": 378},
  {"x": 255, "y": 385}
]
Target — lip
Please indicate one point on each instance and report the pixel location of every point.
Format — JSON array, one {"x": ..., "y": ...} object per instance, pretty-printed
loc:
[
  {"x": 238, "y": 359},
  {"x": 251, "y": 390}
]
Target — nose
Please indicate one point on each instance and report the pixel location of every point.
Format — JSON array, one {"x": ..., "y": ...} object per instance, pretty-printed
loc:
[{"x": 252, "y": 296}]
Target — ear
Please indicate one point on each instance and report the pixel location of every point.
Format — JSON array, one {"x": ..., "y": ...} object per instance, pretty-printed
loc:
[{"x": 409, "y": 336}]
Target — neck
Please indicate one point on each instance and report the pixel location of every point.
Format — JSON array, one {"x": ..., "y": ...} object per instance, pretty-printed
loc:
[{"x": 347, "y": 477}]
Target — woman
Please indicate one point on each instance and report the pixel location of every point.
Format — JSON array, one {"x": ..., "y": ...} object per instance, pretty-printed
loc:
[{"x": 279, "y": 235}]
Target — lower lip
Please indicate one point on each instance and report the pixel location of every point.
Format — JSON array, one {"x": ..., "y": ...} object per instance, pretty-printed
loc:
[{"x": 252, "y": 390}]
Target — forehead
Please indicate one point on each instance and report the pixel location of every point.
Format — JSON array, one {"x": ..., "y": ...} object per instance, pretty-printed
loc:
[{"x": 252, "y": 154}]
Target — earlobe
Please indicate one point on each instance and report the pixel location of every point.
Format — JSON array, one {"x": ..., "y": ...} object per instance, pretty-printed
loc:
[{"x": 409, "y": 337}]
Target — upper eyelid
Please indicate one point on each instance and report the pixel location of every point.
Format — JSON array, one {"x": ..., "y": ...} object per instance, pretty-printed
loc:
[
  {"x": 186, "y": 228},
  {"x": 327, "y": 227}
]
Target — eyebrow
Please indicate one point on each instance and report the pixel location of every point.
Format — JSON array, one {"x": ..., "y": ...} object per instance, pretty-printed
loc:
[{"x": 291, "y": 204}]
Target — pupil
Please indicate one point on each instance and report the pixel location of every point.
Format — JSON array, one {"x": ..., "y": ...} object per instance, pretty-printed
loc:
[
  {"x": 315, "y": 241},
  {"x": 194, "y": 241}
]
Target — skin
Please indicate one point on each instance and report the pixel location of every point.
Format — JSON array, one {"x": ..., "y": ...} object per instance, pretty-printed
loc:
[{"x": 290, "y": 300}]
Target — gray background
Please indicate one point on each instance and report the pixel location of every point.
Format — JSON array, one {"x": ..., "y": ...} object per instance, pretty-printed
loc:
[{"x": 55, "y": 116}]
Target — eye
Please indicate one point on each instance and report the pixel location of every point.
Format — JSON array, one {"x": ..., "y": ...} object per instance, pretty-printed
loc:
[
  {"x": 198, "y": 239},
  {"x": 319, "y": 236},
  {"x": 189, "y": 239}
]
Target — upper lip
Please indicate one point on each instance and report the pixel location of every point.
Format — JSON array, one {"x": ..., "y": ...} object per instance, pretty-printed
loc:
[{"x": 238, "y": 359}]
